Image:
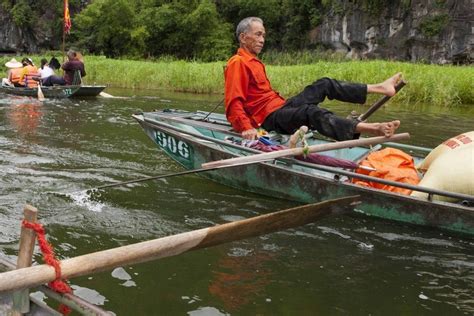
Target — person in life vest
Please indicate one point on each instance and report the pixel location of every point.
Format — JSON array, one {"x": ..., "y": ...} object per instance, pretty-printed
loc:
[
  {"x": 251, "y": 102},
  {"x": 14, "y": 69},
  {"x": 28, "y": 74}
]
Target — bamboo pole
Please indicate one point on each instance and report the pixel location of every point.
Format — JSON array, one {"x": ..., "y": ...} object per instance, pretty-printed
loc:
[
  {"x": 311, "y": 149},
  {"x": 175, "y": 244},
  {"x": 21, "y": 298}
]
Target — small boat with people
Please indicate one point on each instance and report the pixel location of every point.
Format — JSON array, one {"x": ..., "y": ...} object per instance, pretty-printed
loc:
[
  {"x": 196, "y": 140},
  {"x": 56, "y": 92},
  {"x": 25, "y": 79}
]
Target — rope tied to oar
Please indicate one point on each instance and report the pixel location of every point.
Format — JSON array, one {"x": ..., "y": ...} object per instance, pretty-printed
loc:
[
  {"x": 304, "y": 143},
  {"x": 59, "y": 285}
]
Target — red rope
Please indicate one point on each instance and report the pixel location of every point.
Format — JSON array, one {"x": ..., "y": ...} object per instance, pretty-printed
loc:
[{"x": 49, "y": 257}]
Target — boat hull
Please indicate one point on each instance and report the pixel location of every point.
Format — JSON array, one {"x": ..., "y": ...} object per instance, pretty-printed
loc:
[
  {"x": 54, "y": 92},
  {"x": 88, "y": 91},
  {"x": 284, "y": 179}
]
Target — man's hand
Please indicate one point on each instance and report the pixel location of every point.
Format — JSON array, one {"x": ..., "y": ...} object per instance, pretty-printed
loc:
[{"x": 250, "y": 134}]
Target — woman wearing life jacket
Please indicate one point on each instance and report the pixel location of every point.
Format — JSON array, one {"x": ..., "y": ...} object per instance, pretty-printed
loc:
[
  {"x": 29, "y": 72},
  {"x": 14, "y": 69}
]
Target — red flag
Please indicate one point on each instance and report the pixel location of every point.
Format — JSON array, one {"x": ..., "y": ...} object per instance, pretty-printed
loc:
[{"x": 67, "y": 17}]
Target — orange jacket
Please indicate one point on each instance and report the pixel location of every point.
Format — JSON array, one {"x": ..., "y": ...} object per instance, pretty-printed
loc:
[
  {"x": 390, "y": 164},
  {"x": 15, "y": 75},
  {"x": 27, "y": 76},
  {"x": 249, "y": 97}
]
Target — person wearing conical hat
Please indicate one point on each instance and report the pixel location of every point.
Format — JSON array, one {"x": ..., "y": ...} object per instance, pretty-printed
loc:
[{"x": 14, "y": 69}]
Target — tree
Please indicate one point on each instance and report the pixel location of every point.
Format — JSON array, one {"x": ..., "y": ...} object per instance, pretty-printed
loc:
[
  {"x": 104, "y": 28},
  {"x": 187, "y": 30}
]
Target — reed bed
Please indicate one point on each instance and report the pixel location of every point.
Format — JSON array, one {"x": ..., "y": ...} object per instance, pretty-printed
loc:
[{"x": 431, "y": 84}]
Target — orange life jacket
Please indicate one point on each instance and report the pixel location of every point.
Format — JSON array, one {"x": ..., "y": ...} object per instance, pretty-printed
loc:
[
  {"x": 15, "y": 75},
  {"x": 31, "y": 71},
  {"x": 390, "y": 164}
]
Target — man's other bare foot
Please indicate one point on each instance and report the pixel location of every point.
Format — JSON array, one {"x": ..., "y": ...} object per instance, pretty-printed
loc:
[
  {"x": 386, "y": 129},
  {"x": 387, "y": 87}
]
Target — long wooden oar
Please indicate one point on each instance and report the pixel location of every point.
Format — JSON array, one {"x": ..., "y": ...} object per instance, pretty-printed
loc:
[
  {"x": 175, "y": 244},
  {"x": 311, "y": 149},
  {"x": 380, "y": 102}
]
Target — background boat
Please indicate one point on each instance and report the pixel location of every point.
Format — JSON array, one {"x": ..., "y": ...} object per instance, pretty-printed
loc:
[{"x": 54, "y": 92}]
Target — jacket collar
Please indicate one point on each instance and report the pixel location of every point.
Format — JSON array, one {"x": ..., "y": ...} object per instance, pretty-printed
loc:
[{"x": 246, "y": 54}]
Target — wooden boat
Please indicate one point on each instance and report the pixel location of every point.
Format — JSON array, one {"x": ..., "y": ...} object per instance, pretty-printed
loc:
[
  {"x": 191, "y": 139},
  {"x": 53, "y": 92},
  {"x": 88, "y": 91}
]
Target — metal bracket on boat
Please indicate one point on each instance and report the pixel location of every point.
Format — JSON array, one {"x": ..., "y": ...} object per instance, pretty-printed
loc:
[
  {"x": 339, "y": 178},
  {"x": 430, "y": 197}
]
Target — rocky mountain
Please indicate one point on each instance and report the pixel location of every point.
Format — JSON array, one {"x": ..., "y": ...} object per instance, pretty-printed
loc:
[{"x": 436, "y": 31}]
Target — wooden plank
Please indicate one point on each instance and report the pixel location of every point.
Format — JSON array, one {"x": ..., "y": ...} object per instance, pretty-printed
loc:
[{"x": 175, "y": 244}]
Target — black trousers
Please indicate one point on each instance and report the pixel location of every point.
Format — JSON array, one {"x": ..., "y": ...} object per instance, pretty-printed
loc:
[{"x": 303, "y": 109}]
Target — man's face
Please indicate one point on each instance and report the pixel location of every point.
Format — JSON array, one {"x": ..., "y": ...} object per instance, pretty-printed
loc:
[{"x": 254, "y": 39}]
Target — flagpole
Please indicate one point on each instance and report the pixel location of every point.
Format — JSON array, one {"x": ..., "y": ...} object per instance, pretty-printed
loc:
[
  {"x": 64, "y": 45},
  {"x": 66, "y": 25}
]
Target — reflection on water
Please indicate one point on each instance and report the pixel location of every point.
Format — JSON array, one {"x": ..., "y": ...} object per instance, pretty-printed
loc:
[
  {"x": 239, "y": 273},
  {"x": 340, "y": 265},
  {"x": 25, "y": 117}
]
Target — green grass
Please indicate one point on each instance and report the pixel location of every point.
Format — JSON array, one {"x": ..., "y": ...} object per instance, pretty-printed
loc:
[{"x": 431, "y": 84}]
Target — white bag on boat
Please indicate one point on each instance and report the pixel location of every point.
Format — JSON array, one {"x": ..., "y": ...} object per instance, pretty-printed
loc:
[
  {"x": 454, "y": 143},
  {"x": 453, "y": 171}
]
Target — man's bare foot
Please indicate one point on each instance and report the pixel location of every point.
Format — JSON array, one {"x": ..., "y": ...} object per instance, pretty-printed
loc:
[
  {"x": 387, "y": 87},
  {"x": 386, "y": 129}
]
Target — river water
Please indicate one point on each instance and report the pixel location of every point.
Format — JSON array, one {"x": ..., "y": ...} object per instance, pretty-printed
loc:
[{"x": 347, "y": 265}]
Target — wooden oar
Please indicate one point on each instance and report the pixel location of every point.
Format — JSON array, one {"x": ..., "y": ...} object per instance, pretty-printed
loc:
[
  {"x": 40, "y": 92},
  {"x": 175, "y": 244},
  {"x": 380, "y": 102},
  {"x": 106, "y": 95},
  {"x": 311, "y": 149}
]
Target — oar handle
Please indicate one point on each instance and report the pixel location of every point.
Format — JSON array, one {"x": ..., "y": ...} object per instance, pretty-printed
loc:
[{"x": 380, "y": 102}]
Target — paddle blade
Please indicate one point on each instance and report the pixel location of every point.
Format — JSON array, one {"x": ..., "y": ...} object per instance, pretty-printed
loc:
[
  {"x": 105, "y": 95},
  {"x": 40, "y": 93}
]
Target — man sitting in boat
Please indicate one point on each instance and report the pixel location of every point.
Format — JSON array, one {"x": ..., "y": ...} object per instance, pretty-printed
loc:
[
  {"x": 13, "y": 72},
  {"x": 70, "y": 67},
  {"x": 28, "y": 73},
  {"x": 252, "y": 103}
]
